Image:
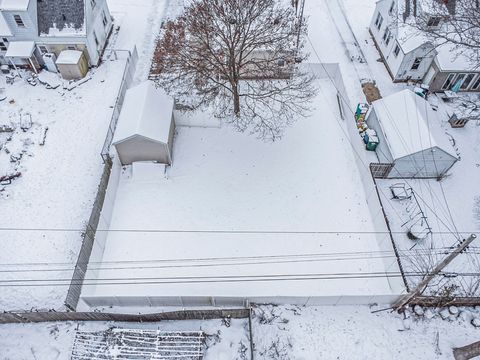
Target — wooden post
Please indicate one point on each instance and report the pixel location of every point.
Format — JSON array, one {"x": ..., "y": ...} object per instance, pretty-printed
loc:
[{"x": 421, "y": 287}]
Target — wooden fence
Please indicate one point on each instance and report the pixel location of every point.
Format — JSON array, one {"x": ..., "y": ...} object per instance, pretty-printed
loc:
[
  {"x": 80, "y": 270},
  {"x": 35, "y": 317}
]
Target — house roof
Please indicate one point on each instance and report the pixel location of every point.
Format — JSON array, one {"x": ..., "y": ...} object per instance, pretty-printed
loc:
[
  {"x": 449, "y": 57},
  {"x": 409, "y": 124},
  {"x": 147, "y": 112},
  {"x": 60, "y": 16},
  {"x": 14, "y": 5},
  {"x": 20, "y": 49}
]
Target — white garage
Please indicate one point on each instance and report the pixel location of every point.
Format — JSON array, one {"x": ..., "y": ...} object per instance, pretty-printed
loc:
[
  {"x": 411, "y": 138},
  {"x": 146, "y": 126}
]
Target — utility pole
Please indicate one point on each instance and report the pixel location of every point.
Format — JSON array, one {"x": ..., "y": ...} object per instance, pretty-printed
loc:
[
  {"x": 421, "y": 287},
  {"x": 302, "y": 7}
]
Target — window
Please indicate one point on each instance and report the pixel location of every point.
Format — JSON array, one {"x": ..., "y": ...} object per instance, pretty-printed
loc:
[
  {"x": 447, "y": 85},
  {"x": 434, "y": 21},
  {"x": 95, "y": 38},
  {"x": 388, "y": 35},
  {"x": 467, "y": 81},
  {"x": 379, "y": 21},
  {"x": 390, "y": 11},
  {"x": 18, "y": 20},
  {"x": 416, "y": 63},
  {"x": 71, "y": 47},
  {"x": 396, "y": 51},
  {"x": 3, "y": 46},
  {"x": 93, "y": 3},
  {"x": 5, "y": 40},
  {"x": 43, "y": 49},
  {"x": 476, "y": 84}
]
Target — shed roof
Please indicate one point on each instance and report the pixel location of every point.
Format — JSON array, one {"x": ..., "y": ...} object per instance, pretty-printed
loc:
[
  {"x": 146, "y": 112},
  {"x": 20, "y": 49},
  {"x": 409, "y": 124},
  {"x": 69, "y": 57}
]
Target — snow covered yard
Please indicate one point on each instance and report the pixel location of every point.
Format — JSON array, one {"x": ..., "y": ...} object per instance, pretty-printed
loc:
[
  {"x": 54, "y": 341},
  {"x": 279, "y": 333},
  {"x": 342, "y": 332},
  {"x": 58, "y": 183},
  {"x": 232, "y": 206}
]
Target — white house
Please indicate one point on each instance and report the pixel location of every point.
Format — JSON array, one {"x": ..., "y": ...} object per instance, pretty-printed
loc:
[
  {"x": 409, "y": 55},
  {"x": 145, "y": 127},
  {"x": 51, "y": 26},
  {"x": 410, "y": 138}
]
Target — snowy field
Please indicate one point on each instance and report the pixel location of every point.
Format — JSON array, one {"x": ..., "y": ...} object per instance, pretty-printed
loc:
[
  {"x": 234, "y": 206},
  {"x": 279, "y": 333}
]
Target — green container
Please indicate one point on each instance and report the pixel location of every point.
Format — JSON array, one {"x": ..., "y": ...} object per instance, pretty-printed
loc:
[{"x": 371, "y": 145}]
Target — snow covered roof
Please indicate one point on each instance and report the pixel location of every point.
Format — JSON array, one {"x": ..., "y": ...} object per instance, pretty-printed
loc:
[
  {"x": 147, "y": 112},
  {"x": 20, "y": 49},
  {"x": 69, "y": 57},
  {"x": 15, "y": 5},
  {"x": 408, "y": 122},
  {"x": 450, "y": 58},
  {"x": 56, "y": 17},
  {"x": 4, "y": 28}
]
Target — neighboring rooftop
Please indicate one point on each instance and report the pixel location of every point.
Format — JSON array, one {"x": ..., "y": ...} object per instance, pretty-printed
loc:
[{"x": 56, "y": 16}]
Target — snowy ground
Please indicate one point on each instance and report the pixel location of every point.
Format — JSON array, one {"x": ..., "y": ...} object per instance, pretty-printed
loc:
[
  {"x": 222, "y": 181},
  {"x": 355, "y": 333},
  {"x": 54, "y": 341},
  {"x": 59, "y": 180},
  {"x": 451, "y": 214},
  {"x": 58, "y": 183},
  {"x": 279, "y": 333}
]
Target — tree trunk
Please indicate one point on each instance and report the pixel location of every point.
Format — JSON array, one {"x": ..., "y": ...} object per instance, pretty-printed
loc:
[
  {"x": 467, "y": 352},
  {"x": 236, "y": 100}
]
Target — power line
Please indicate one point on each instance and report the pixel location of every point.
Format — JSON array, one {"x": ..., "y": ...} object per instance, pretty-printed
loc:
[
  {"x": 217, "y": 279},
  {"x": 273, "y": 232},
  {"x": 133, "y": 265}
]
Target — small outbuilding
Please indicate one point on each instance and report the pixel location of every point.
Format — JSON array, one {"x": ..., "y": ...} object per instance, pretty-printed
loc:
[
  {"x": 411, "y": 139},
  {"x": 72, "y": 64},
  {"x": 146, "y": 126}
]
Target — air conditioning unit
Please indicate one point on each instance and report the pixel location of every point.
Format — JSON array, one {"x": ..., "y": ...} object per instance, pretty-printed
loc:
[{"x": 49, "y": 59}]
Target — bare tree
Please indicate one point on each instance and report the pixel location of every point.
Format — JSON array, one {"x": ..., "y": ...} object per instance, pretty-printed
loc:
[
  {"x": 456, "y": 22},
  {"x": 241, "y": 58}
]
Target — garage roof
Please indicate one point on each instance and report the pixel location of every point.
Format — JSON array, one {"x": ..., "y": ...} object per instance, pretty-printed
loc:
[
  {"x": 147, "y": 111},
  {"x": 409, "y": 123}
]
